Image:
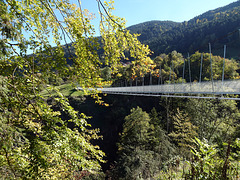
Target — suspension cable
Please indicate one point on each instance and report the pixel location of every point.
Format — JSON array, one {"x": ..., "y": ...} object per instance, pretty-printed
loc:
[
  {"x": 224, "y": 56},
  {"x": 211, "y": 66}
]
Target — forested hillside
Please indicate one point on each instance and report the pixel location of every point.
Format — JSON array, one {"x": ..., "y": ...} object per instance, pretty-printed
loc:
[
  {"x": 218, "y": 27},
  {"x": 49, "y": 129},
  {"x": 151, "y": 137},
  {"x": 153, "y": 29}
]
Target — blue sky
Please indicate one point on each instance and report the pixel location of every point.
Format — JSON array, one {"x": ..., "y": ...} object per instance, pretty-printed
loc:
[{"x": 138, "y": 11}]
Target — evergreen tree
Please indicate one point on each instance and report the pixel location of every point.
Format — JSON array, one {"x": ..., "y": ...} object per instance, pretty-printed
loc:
[
  {"x": 155, "y": 119},
  {"x": 135, "y": 156},
  {"x": 160, "y": 142},
  {"x": 184, "y": 131},
  {"x": 143, "y": 147}
]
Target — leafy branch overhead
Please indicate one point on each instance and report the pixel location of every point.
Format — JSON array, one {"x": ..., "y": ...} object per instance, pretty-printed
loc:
[{"x": 35, "y": 141}]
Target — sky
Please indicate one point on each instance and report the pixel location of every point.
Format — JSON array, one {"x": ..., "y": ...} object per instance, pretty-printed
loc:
[{"x": 138, "y": 11}]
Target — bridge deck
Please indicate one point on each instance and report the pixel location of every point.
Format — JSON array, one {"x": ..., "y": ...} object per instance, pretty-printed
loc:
[{"x": 208, "y": 87}]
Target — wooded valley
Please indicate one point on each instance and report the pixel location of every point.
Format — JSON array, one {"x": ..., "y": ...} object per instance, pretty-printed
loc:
[{"x": 51, "y": 130}]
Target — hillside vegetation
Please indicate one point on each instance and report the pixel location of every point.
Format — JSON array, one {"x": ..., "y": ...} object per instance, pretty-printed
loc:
[
  {"x": 51, "y": 130},
  {"x": 218, "y": 27},
  {"x": 153, "y": 29}
]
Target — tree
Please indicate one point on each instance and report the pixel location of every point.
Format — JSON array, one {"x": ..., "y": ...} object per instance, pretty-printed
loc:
[
  {"x": 135, "y": 157},
  {"x": 106, "y": 73},
  {"x": 230, "y": 71},
  {"x": 184, "y": 131},
  {"x": 216, "y": 120},
  {"x": 143, "y": 148},
  {"x": 171, "y": 65},
  {"x": 161, "y": 144},
  {"x": 35, "y": 142},
  {"x": 154, "y": 116},
  {"x": 207, "y": 164}
]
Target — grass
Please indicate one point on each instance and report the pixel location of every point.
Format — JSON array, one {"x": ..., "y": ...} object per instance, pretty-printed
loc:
[{"x": 66, "y": 89}]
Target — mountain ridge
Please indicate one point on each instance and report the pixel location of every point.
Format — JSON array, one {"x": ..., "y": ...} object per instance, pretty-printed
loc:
[
  {"x": 220, "y": 26},
  {"x": 195, "y": 34},
  {"x": 157, "y": 28}
]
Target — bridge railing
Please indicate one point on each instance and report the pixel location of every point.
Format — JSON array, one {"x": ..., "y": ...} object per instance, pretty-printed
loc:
[{"x": 207, "y": 87}]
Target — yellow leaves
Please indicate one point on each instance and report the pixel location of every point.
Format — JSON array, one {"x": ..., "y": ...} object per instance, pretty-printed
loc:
[
  {"x": 142, "y": 66},
  {"x": 103, "y": 104},
  {"x": 119, "y": 75},
  {"x": 109, "y": 5},
  {"x": 30, "y": 121},
  {"x": 51, "y": 140}
]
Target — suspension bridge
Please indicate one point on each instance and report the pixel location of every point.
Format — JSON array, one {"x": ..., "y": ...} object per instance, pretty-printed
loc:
[
  {"x": 207, "y": 89},
  {"x": 213, "y": 89}
]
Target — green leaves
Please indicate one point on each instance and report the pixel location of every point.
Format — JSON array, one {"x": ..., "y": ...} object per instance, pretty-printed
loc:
[
  {"x": 207, "y": 164},
  {"x": 36, "y": 138},
  {"x": 45, "y": 138},
  {"x": 216, "y": 119},
  {"x": 117, "y": 41}
]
